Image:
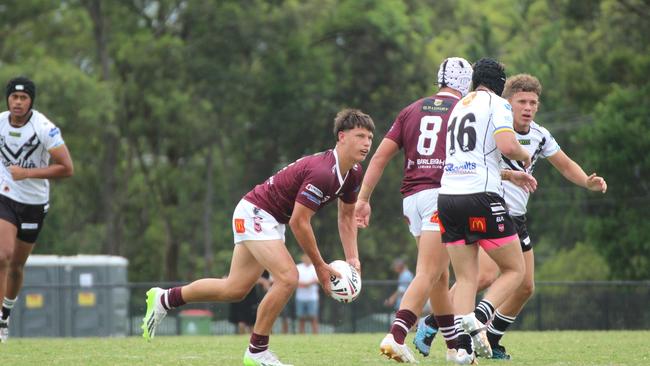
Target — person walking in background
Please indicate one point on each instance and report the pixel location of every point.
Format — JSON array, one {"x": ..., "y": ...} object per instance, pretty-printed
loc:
[
  {"x": 292, "y": 196},
  {"x": 307, "y": 295},
  {"x": 28, "y": 141},
  {"x": 404, "y": 278}
]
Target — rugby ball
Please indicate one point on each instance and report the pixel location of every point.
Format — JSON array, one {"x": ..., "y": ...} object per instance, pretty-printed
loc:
[{"x": 346, "y": 288}]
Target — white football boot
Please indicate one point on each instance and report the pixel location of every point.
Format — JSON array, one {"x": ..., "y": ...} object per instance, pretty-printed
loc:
[
  {"x": 396, "y": 351},
  {"x": 476, "y": 331}
]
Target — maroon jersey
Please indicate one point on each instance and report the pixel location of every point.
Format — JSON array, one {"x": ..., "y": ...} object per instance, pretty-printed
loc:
[
  {"x": 421, "y": 129},
  {"x": 313, "y": 181}
]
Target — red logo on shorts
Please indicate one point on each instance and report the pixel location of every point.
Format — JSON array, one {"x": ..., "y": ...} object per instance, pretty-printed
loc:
[
  {"x": 434, "y": 218},
  {"x": 257, "y": 224},
  {"x": 239, "y": 226},
  {"x": 477, "y": 224},
  {"x": 501, "y": 227}
]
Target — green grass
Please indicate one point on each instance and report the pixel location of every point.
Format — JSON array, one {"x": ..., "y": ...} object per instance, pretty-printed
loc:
[{"x": 527, "y": 348}]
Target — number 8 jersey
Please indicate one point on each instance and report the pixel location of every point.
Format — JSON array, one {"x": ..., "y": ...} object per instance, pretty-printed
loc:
[
  {"x": 472, "y": 161},
  {"x": 420, "y": 130}
]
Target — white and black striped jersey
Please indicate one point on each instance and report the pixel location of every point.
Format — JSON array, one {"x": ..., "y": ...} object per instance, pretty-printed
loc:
[
  {"x": 472, "y": 159},
  {"x": 27, "y": 146},
  {"x": 540, "y": 144}
]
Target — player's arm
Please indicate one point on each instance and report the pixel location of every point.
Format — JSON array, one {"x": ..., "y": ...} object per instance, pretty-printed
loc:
[
  {"x": 348, "y": 233},
  {"x": 509, "y": 146},
  {"x": 300, "y": 224},
  {"x": 574, "y": 173},
  {"x": 60, "y": 166},
  {"x": 385, "y": 152}
]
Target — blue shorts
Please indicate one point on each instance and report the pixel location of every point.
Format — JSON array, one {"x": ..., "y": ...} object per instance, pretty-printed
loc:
[{"x": 306, "y": 309}]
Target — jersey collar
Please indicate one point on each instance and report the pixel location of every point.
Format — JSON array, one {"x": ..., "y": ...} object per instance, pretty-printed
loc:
[
  {"x": 446, "y": 94},
  {"x": 337, "y": 169}
]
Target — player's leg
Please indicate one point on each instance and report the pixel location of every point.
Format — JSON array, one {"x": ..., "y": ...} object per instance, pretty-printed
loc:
[
  {"x": 432, "y": 261},
  {"x": 506, "y": 253},
  {"x": 14, "y": 282},
  {"x": 244, "y": 272},
  {"x": 274, "y": 256},
  {"x": 488, "y": 272},
  {"x": 464, "y": 260},
  {"x": 8, "y": 233},
  {"x": 508, "y": 311}
]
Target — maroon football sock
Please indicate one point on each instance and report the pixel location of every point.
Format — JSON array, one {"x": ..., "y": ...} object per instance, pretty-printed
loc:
[{"x": 404, "y": 320}]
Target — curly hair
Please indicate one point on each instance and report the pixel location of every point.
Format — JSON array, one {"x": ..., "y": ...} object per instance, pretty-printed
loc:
[{"x": 522, "y": 83}]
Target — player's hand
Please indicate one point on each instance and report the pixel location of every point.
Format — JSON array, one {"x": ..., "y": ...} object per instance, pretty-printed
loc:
[
  {"x": 527, "y": 161},
  {"x": 354, "y": 262},
  {"x": 362, "y": 213},
  {"x": 596, "y": 183},
  {"x": 523, "y": 180},
  {"x": 18, "y": 173},
  {"x": 324, "y": 273}
]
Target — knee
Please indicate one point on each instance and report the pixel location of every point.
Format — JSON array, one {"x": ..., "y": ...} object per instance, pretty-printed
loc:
[
  {"x": 6, "y": 255},
  {"x": 527, "y": 289},
  {"x": 486, "y": 278},
  {"x": 286, "y": 280}
]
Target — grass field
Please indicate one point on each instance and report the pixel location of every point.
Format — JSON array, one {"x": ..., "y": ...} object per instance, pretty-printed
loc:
[{"x": 527, "y": 348}]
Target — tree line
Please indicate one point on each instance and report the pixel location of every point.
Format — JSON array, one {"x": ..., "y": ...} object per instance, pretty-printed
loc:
[{"x": 174, "y": 109}]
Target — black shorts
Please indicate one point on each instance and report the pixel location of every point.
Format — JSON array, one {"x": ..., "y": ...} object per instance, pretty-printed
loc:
[
  {"x": 27, "y": 218},
  {"x": 478, "y": 217},
  {"x": 522, "y": 231}
]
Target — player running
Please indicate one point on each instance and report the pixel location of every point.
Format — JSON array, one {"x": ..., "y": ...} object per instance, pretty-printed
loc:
[
  {"x": 292, "y": 196},
  {"x": 28, "y": 141},
  {"x": 471, "y": 207}
]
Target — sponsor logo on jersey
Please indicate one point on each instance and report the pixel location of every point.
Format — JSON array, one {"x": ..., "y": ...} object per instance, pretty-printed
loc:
[
  {"x": 54, "y": 131},
  {"x": 466, "y": 168},
  {"x": 14, "y": 134},
  {"x": 508, "y": 106},
  {"x": 500, "y": 219},
  {"x": 29, "y": 226},
  {"x": 524, "y": 142},
  {"x": 434, "y": 218},
  {"x": 437, "y": 106},
  {"x": 501, "y": 227},
  {"x": 357, "y": 188},
  {"x": 311, "y": 197},
  {"x": 239, "y": 226},
  {"x": 435, "y": 162},
  {"x": 310, "y": 187},
  {"x": 477, "y": 224},
  {"x": 409, "y": 164}
]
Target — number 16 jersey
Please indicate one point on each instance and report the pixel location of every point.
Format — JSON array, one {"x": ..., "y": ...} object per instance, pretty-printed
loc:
[{"x": 472, "y": 163}]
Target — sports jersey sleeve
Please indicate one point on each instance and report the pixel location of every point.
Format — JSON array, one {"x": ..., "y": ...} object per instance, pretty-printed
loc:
[
  {"x": 353, "y": 186},
  {"x": 50, "y": 135},
  {"x": 311, "y": 191},
  {"x": 551, "y": 147},
  {"x": 502, "y": 116},
  {"x": 395, "y": 132}
]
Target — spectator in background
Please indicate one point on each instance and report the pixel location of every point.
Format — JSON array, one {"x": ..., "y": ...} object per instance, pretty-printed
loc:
[
  {"x": 404, "y": 278},
  {"x": 307, "y": 295}
]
